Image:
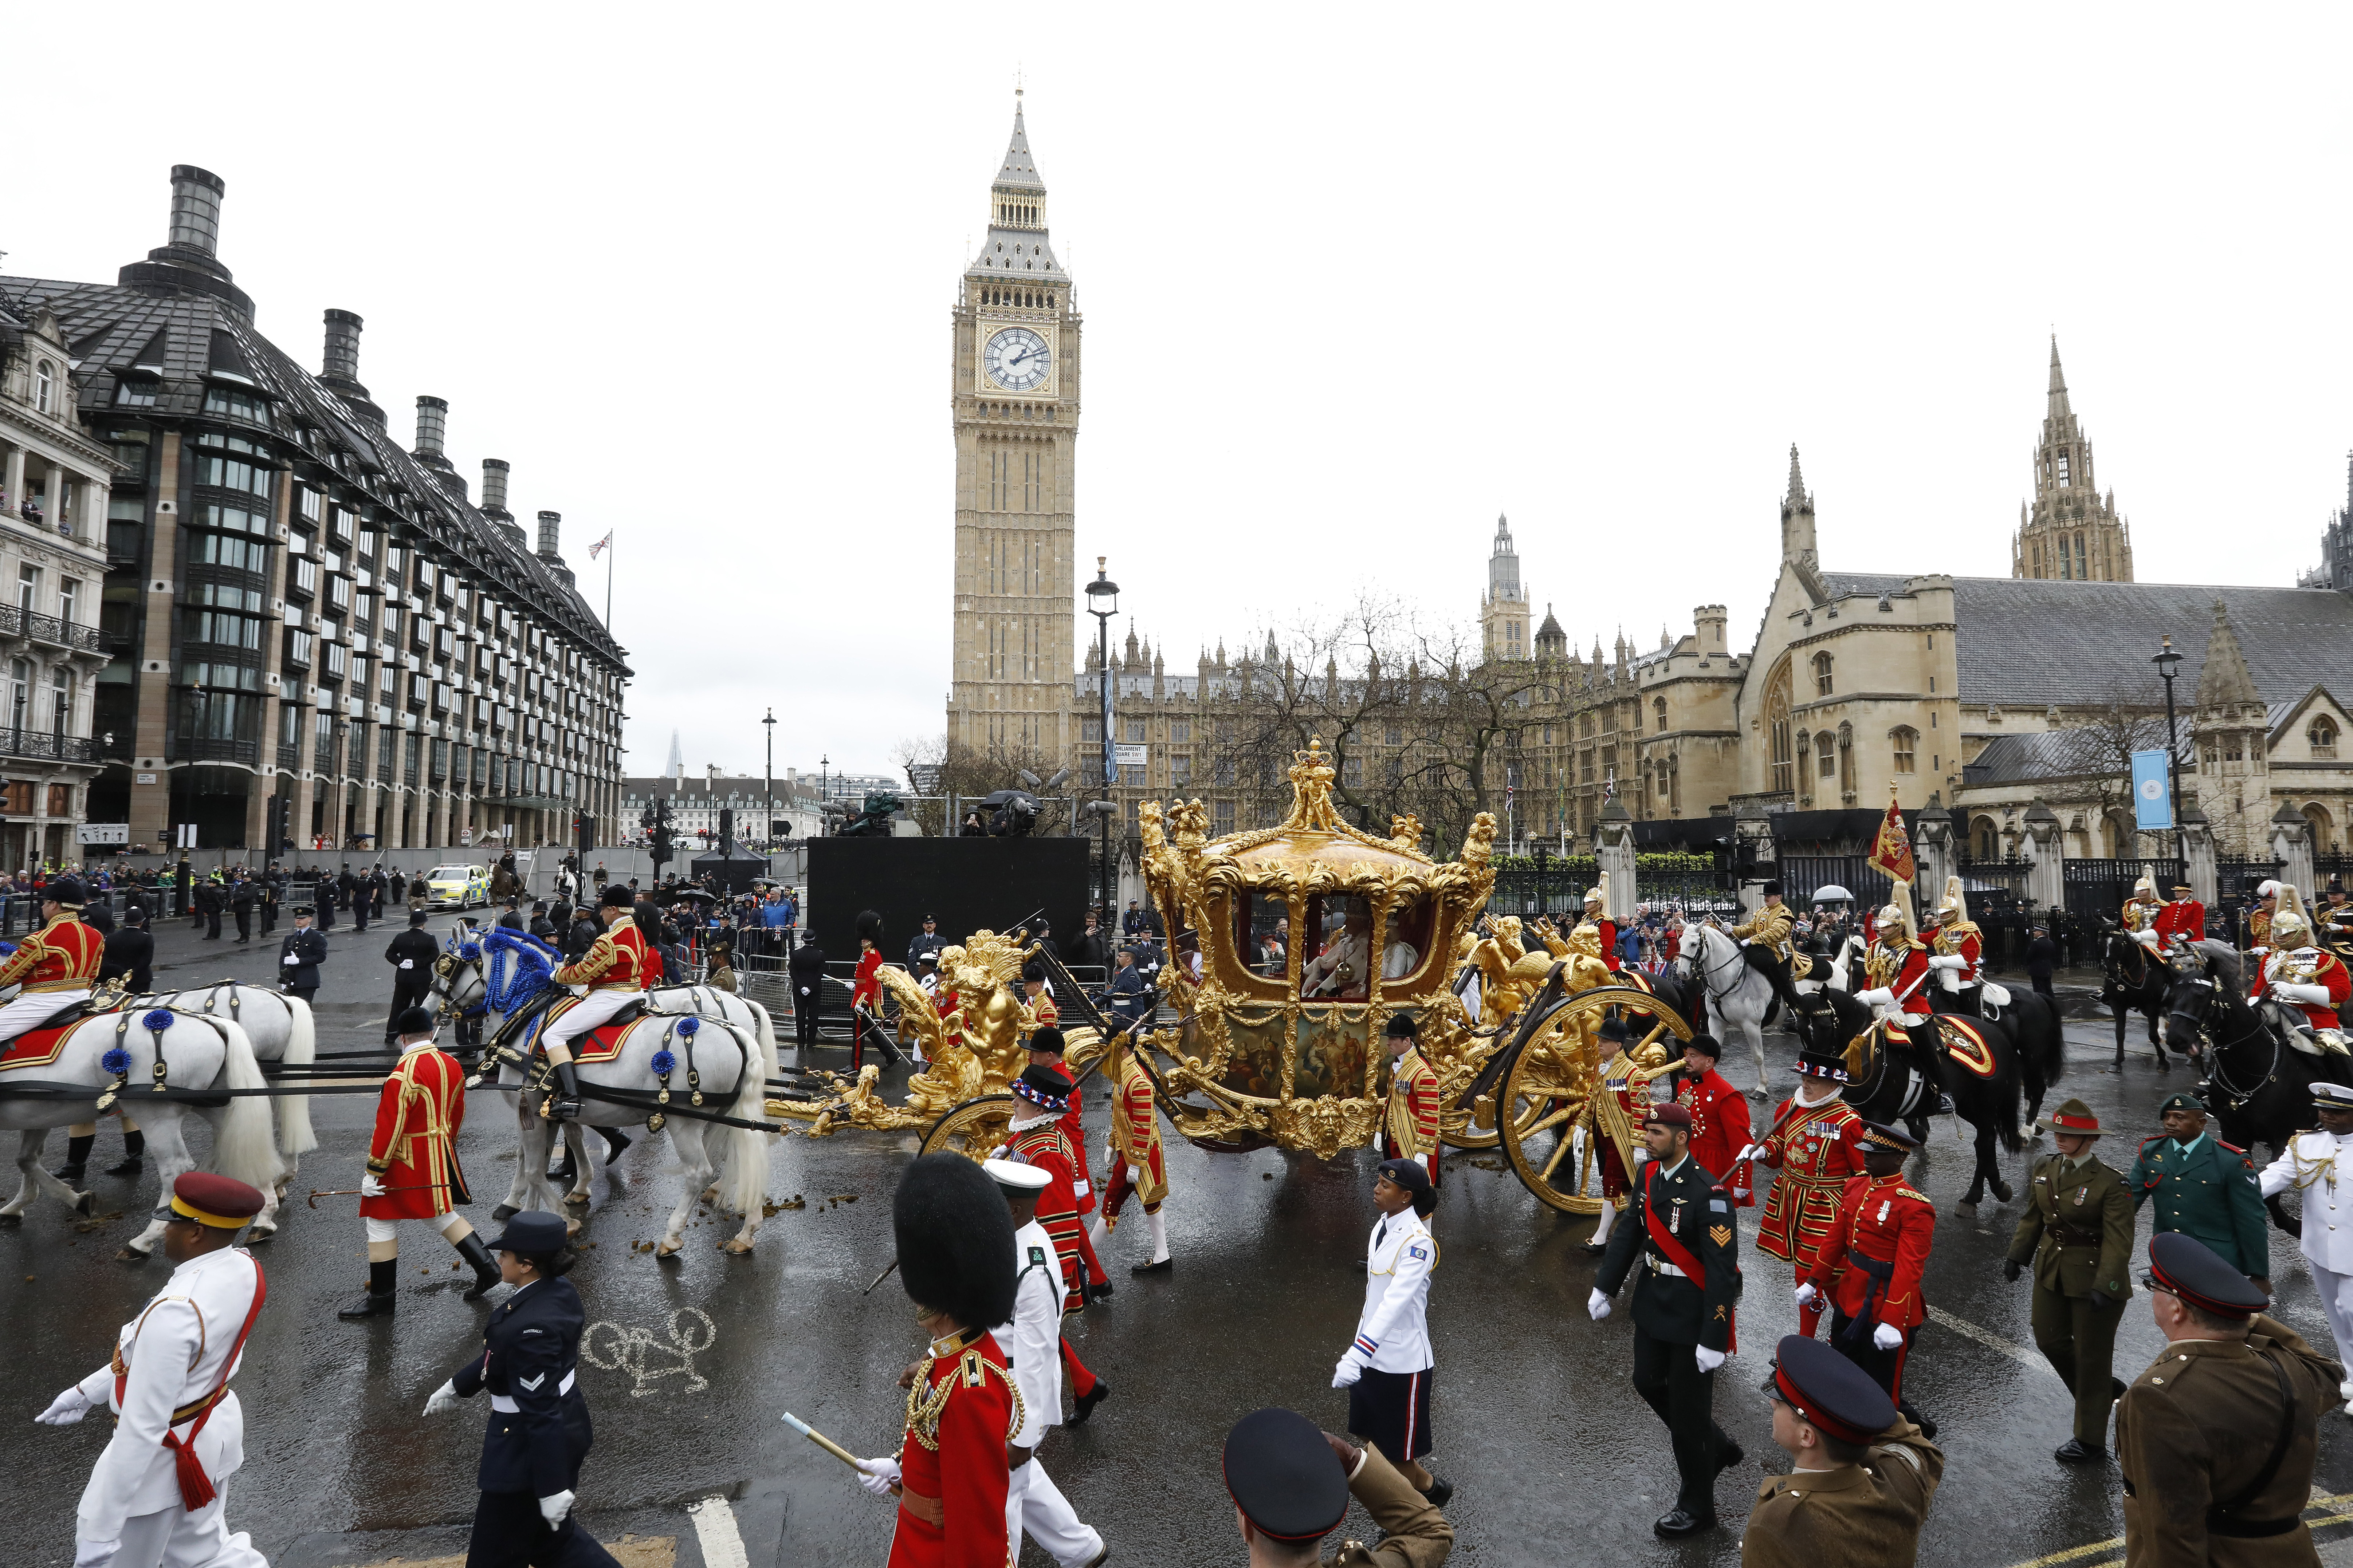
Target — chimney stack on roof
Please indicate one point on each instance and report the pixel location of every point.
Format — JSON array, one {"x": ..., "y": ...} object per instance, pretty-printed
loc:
[
  {"x": 342, "y": 360},
  {"x": 196, "y": 208},
  {"x": 495, "y": 487},
  {"x": 550, "y": 524},
  {"x": 432, "y": 425}
]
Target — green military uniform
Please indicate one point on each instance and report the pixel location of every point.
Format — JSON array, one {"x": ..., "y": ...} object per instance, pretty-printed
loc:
[
  {"x": 1869, "y": 1512},
  {"x": 2077, "y": 1233},
  {"x": 2207, "y": 1190}
]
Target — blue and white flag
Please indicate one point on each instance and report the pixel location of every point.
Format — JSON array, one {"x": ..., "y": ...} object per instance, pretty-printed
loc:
[{"x": 2152, "y": 797}]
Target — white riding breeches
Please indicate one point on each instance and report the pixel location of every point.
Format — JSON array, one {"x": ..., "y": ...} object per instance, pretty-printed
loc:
[
  {"x": 29, "y": 1013},
  {"x": 596, "y": 1007},
  {"x": 380, "y": 1230},
  {"x": 1034, "y": 1504},
  {"x": 175, "y": 1538}
]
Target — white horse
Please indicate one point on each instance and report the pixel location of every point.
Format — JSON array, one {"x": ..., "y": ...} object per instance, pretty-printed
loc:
[
  {"x": 724, "y": 1043},
  {"x": 1737, "y": 996},
  {"x": 282, "y": 1030},
  {"x": 196, "y": 1053}
]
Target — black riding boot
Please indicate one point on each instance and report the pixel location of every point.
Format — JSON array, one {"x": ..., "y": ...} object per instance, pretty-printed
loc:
[
  {"x": 378, "y": 1302},
  {"x": 614, "y": 1142},
  {"x": 1928, "y": 1051},
  {"x": 77, "y": 1160},
  {"x": 134, "y": 1149},
  {"x": 563, "y": 1170},
  {"x": 485, "y": 1266},
  {"x": 565, "y": 1102}
]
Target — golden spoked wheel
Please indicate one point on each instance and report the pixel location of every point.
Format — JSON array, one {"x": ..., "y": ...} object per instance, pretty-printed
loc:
[
  {"x": 975, "y": 1128},
  {"x": 1543, "y": 1095},
  {"x": 1469, "y": 1127}
]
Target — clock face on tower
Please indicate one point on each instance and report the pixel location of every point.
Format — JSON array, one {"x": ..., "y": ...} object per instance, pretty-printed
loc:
[{"x": 1016, "y": 359}]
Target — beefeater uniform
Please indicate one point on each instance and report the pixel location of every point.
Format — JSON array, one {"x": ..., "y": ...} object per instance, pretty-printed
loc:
[
  {"x": 179, "y": 1435},
  {"x": 56, "y": 966},
  {"x": 1039, "y": 1141},
  {"x": 1870, "y": 1266},
  {"x": 1616, "y": 1114},
  {"x": 1720, "y": 1127},
  {"x": 2183, "y": 918},
  {"x": 1815, "y": 1149},
  {"x": 961, "y": 1412},
  {"x": 614, "y": 969},
  {"x": 1409, "y": 1120}
]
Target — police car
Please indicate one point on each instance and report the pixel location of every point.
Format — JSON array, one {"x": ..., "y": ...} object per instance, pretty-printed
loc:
[{"x": 458, "y": 887}]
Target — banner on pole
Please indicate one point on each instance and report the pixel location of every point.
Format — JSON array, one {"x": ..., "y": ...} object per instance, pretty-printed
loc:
[{"x": 2152, "y": 799}]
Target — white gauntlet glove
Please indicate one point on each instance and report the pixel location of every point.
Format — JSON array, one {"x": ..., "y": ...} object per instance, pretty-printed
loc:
[
  {"x": 553, "y": 1508},
  {"x": 66, "y": 1410},
  {"x": 371, "y": 1185},
  {"x": 443, "y": 1398},
  {"x": 879, "y": 1477},
  {"x": 1349, "y": 1369},
  {"x": 1886, "y": 1336},
  {"x": 1806, "y": 1293},
  {"x": 1881, "y": 997},
  {"x": 1708, "y": 1360},
  {"x": 1596, "y": 1306}
]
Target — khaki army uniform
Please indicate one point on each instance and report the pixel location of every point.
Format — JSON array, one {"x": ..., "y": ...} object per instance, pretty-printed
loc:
[
  {"x": 1869, "y": 1512},
  {"x": 2193, "y": 1435},
  {"x": 2077, "y": 1231}
]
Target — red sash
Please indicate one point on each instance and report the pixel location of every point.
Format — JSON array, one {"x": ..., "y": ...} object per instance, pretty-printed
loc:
[
  {"x": 196, "y": 1487},
  {"x": 1683, "y": 1256}
]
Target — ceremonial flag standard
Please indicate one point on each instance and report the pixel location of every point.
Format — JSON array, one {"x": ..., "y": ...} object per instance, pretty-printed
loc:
[
  {"x": 2152, "y": 801},
  {"x": 1893, "y": 851}
]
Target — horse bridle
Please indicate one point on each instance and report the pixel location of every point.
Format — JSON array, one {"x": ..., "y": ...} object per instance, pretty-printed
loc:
[
  {"x": 2215, "y": 1072},
  {"x": 1706, "y": 971}
]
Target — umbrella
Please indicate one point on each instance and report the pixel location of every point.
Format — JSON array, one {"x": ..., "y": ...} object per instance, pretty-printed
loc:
[{"x": 1831, "y": 893}]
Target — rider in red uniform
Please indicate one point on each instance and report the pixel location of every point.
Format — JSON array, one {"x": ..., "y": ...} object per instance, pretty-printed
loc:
[
  {"x": 2183, "y": 916},
  {"x": 56, "y": 966},
  {"x": 1597, "y": 915},
  {"x": 2308, "y": 978},
  {"x": 614, "y": 970}
]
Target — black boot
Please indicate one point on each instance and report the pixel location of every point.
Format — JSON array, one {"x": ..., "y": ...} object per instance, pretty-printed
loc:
[
  {"x": 378, "y": 1302},
  {"x": 134, "y": 1147},
  {"x": 564, "y": 1103},
  {"x": 565, "y": 1170},
  {"x": 77, "y": 1160},
  {"x": 614, "y": 1142},
  {"x": 485, "y": 1266}
]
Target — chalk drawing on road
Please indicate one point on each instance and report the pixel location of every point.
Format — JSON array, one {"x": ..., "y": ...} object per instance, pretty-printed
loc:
[{"x": 614, "y": 1347}]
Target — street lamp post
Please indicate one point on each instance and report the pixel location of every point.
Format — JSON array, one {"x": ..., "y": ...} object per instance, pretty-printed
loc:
[
  {"x": 1103, "y": 603},
  {"x": 2169, "y": 665},
  {"x": 824, "y": 794},
  {"x": 768, "y": 823}
]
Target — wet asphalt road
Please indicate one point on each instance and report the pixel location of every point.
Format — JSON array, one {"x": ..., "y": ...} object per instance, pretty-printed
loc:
[{"x": 692, "y": 1361}]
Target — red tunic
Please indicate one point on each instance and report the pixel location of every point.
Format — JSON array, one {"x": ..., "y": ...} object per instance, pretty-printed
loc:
[
  {"x": 961, "y": 1412},
  {"x": 1910, "y": 983},
  {"x": 1058, "y": 1207},
  {"x": 620, "y": 960},
  {"x": 1971, "y": 951},
  {"x": 1815, "y": 1149},
  {"x": 1607, "y": 928},
  {"x": 1409, "y": 1120},
  {"x": 63, "y": 956},
  {"x": 2181, "y": 918},
  {"x": 1885, "y": 1219},
  {"x": 2327, "y": 971},
  {"x": 868, "y": 991},
  {"x": 417, "y": 1115},
  {"x": 1134, "y": 1141},
  {"x": 1720, "y": 1126},
  {"x": 1075, "y": 1131}
]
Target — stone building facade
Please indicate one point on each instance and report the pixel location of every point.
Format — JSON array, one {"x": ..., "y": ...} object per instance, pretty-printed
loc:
[
  {"x": 300, "y": 610},
  {"x": 55, "y": 480},
  {"x": 2069, "y": 531}
]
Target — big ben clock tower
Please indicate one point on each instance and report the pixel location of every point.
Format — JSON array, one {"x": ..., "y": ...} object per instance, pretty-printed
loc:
[{"x": 1014, "y": 391}]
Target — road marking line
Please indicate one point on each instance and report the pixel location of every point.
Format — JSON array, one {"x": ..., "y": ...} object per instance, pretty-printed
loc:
[
  {"x": 1992, "y": 1340},
  {"x": 714, "y": 1528},
  {"x": 2074, "y": 1553}
]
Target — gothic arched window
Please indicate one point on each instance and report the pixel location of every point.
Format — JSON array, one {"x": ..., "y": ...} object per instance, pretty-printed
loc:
[
  {"x": 1782, "y": 775},
  {"x": 2322, "y": 737},
  {"x": 1822, "y": 683}
]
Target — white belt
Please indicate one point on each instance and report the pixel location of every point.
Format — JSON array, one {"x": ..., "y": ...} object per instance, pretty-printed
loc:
[
  {"x": 1659, "y": 1267},
  {"x": 506, "y": 1407}
]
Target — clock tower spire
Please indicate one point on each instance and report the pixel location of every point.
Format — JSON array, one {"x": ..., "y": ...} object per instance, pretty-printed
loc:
[{"x": 1013, "y": 397}]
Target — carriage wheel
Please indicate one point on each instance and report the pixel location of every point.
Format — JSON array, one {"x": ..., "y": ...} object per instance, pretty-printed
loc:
[
  {"x": 975, "y": 1130},
  {"x": 1470, "y": 1126},
  {"x": 1545, "y": 1091}
]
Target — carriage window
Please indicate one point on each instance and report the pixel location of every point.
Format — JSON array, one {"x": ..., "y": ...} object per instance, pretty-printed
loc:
[
  {"x": 1406, "y": 942},
  {"x": 1257, "y": 916},
  {"x": 1338, "y": 947}
]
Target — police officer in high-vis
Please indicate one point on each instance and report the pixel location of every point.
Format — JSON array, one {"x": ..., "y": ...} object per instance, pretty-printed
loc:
[
  {"x": 2197, "y": 1185},
  {"x": 539, "y": 1430},
  {"x": 156, "y": 1494}
]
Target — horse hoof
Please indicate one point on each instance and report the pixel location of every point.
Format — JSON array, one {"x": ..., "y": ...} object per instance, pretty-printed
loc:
[
  {"x": 2001, "y": 1192},
  {"x": 571, "y": 1228},
  {"x": 666, "y": 1249},
  {"x": 130, "y": 1254},
  {"x": 1966, "y": 1211},
  {"x": 504, "y": 1213},
  {"x": 580, "y": 1198},
  {"x": 85, "y": 1205},
  {"x": 737, "y": 1246},
  {"x": 261, "y": 1233}
]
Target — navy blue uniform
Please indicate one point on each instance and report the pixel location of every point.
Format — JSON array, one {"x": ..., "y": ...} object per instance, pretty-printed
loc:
[{"x": 539, "y": 1431}]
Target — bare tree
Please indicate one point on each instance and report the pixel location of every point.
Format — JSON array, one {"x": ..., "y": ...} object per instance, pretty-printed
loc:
[
  {"x": 2090, "y": 760},
  {"x": 944, "y": 771}
]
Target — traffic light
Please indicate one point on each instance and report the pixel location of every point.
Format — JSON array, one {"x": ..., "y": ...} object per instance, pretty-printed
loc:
[
  {"x": 584, "y": 828},
  {"x": 274, "y": 828}
]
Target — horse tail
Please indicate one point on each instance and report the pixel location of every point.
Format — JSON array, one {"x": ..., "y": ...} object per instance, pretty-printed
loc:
[
  {"x": 2012, "y": 1102},
  {"x": 2051, "y": 1045},
  {"x": 743, "y": 1185},
  {"x": 242, "y": 1147},
  {"x": 295, "y": 1136}
]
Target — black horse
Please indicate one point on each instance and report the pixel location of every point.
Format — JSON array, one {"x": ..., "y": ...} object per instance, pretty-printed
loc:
[
  {"x": 2258, "y": 1087},
  {"x": 2133, "y": 981},
  {"x": 1892, "y": 1089},
  {"x": 2035, "y": 1029}
]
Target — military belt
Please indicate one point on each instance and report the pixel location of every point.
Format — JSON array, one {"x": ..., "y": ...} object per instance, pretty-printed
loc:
[
  {"x": 2072, "y": 1236},
  {"x": 930, "y": 1509}
]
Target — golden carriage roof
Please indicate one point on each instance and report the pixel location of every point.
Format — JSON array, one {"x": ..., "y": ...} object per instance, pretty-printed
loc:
[{"x": 1313, "y": 850}]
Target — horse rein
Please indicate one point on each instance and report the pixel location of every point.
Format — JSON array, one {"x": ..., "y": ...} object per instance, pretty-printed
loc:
[{"x": 2215, "y": 1072}]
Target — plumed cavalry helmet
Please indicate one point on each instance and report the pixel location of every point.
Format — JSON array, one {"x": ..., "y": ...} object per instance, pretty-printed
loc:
[
  {"x": 1895, "y": 921},
  {"x": 1597, "y": 898},
  {"x": 1953, "y": 909},
  {"x": 2289, "y": 928},
  {"x": 2145, "y": 888},
  {"x": 955, "y": 1240}
]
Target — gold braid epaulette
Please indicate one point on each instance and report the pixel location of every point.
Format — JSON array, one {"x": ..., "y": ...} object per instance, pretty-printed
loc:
[
  {"x": 2310, "y": 1171},
  {"x": 926, "y": 1403}
]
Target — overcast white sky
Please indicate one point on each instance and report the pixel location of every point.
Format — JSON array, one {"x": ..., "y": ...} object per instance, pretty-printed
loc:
[{"x": 1355, "y": 279}]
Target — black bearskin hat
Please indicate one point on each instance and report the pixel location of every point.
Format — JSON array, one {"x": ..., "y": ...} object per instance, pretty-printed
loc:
[
  {"x": 616, "y": 896},
  {"x": 65, "y": 892},
  {"x": 955, "y": 1240},
  {"x": 870, "y": 926}
]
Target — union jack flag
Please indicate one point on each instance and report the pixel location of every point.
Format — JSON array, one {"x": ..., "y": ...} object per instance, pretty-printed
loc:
[{"x": 596, "y": 549}]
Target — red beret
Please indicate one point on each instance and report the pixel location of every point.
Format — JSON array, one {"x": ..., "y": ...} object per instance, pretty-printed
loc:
[
  {"x": 222, "y": 1202},
  {"x": 1668, "y": 1116}
]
